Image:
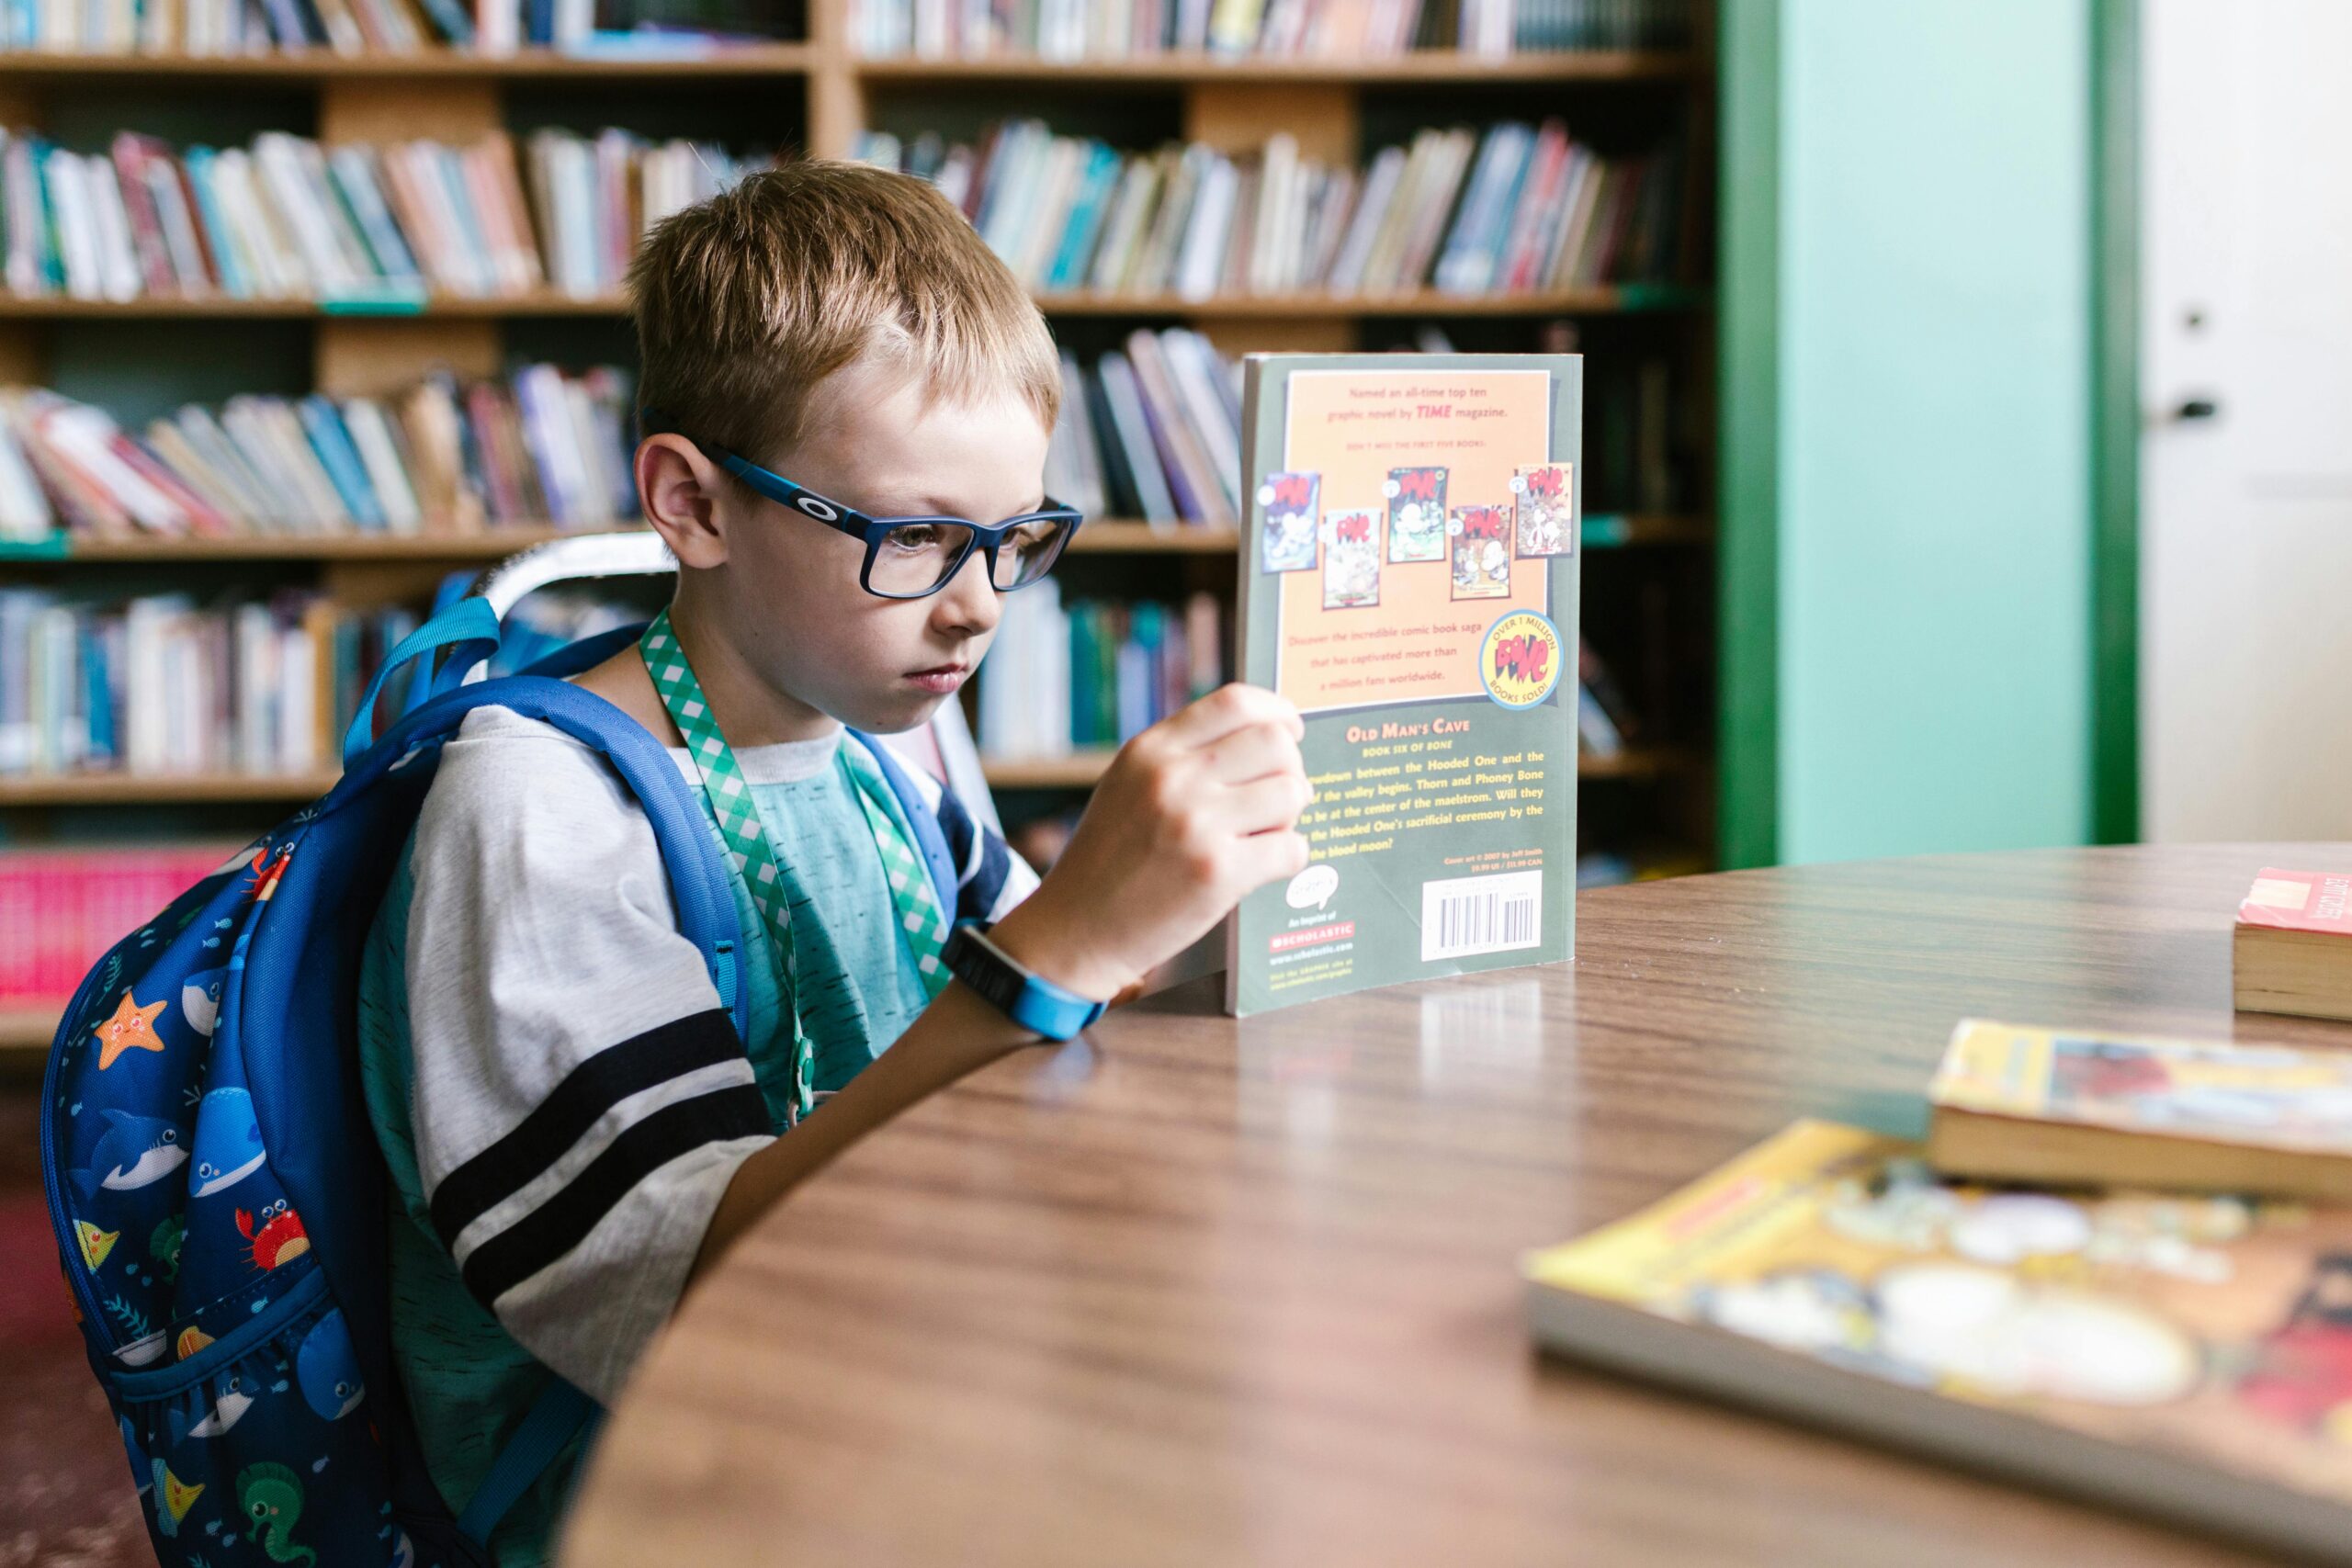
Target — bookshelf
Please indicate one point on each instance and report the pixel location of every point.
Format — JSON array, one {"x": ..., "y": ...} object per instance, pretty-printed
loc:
[{"x": 1654, "y": 596}]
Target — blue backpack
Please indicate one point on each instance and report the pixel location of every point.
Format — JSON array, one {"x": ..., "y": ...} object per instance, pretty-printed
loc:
[{"x": 215, "y": 1184}]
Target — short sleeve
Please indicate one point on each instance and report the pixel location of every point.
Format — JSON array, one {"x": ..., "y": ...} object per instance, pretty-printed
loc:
[{"x": 581, "y": 1099}]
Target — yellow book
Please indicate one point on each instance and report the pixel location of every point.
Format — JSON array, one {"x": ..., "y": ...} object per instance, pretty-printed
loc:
[
  {"x": 2068, "y": 1107},
  {"x": 2182, "y": 1355}
]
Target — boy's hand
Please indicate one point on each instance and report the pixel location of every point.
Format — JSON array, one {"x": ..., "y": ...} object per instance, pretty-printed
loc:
[{"x": 1190, "y": 815}]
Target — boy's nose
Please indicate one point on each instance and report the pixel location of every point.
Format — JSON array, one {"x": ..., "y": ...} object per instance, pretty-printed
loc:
[{"x": 970, "y": 601}]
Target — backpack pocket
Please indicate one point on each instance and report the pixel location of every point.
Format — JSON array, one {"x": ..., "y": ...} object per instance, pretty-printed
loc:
[{"x": 260, "y": 1445}]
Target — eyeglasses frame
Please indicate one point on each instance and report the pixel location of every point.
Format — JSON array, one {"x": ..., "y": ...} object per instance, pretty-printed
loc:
[{"x": 982, "y": 536}]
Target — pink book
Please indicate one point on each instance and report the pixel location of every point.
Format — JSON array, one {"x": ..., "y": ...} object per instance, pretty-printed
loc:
[{"x": 2316, "y": 901}]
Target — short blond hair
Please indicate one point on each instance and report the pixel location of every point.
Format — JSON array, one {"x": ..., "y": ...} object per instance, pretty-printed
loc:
[{"x": 745, "y": 303}]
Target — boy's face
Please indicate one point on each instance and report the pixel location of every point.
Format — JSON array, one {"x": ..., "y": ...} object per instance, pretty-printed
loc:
[{"x": 790, "y": 593}]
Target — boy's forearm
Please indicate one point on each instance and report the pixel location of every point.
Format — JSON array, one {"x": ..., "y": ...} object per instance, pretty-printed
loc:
[{"x": 957, "y": 1033}]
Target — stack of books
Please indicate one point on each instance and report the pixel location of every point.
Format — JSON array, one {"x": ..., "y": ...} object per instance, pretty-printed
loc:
[
  {"x": 1520, "y": 208},
  {"x": 541, "y": 447},
  {"x": 163, "y": 683},
  {"x": 2117, "y": 1267},
  {"x": 1152, "y": 431},
  {"x": 60, "y": 909},
  {"x": 288, "y": 219},
  {"x": 1322, "y": 29},
  {"x": 354, "y": 27},
  {"x": 1063, "y": 679}
]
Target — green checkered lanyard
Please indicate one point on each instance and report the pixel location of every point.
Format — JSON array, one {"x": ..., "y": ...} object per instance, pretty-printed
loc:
[{"x": 731, "y": 807}]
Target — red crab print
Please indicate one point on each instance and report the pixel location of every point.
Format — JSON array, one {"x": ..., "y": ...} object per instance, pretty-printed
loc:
[
  {"x": 268, "y": 871},
  {"x": 279, "y": 1239}
]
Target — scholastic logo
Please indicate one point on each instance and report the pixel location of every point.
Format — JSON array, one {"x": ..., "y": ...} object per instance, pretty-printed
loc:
[
  {"x": 1518, "y": 659},
  {"x": 1338, "y": 930}
]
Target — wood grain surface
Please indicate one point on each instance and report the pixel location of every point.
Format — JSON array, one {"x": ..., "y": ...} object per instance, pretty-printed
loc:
[{"x": 1197, "y": 1292}]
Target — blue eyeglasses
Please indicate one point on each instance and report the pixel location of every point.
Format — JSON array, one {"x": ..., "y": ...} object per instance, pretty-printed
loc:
[{"x": 914, "y": 558}]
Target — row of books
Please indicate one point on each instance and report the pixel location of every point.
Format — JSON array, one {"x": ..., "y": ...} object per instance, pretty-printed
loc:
[
  {"x": 1090, "y": 674},
  {"x": 1520, "y": 209},
  {"x": 621, "y": 29},
  {"x": 60, "y": 909},
  {"x": 287, "y": 217},
  {"x": 160, "y": 683},
  {"x": 539, "y": 448},
  {"x": 1152, "y": 431},
  {"x": 1323, "y": 29}
]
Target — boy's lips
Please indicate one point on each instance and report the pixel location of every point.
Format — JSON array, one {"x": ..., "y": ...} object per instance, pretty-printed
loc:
[{"x": 941, "y": 678}]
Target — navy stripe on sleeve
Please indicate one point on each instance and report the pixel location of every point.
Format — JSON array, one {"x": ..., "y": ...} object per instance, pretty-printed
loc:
[{"x": 668, "y": 1051}]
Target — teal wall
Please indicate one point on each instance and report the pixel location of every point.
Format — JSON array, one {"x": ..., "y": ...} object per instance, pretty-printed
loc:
[{"x": 1933, "y": 429}]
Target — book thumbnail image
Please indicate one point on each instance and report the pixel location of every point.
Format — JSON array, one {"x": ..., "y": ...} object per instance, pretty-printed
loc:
[
  {"x": 1350, "y": 559},
  {"x": 1288, "y": 542},
  {"x": 1416, "y": 515},
  {"x": 1543, "y": 501},
  {"x": 1481, "y": 552}
]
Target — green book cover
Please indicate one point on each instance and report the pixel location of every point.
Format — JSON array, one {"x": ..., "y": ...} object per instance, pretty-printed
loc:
[{"x": 1409, "y": 579}]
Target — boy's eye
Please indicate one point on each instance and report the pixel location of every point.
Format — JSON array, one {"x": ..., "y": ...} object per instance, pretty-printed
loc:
[{"x": 917, "y": 537}]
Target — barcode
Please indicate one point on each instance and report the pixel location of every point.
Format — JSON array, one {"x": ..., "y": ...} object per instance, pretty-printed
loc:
[{"x": 1466, "y": 915}]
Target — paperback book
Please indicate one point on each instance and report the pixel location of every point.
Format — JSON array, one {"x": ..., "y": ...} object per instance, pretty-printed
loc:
[
  {"x": 1428, "y": 657},
  {"x": 2180, "y": 1354}
]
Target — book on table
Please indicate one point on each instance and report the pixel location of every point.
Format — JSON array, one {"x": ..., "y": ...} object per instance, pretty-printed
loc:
[
  {"x": 2292, "y": 949},
  {"x": 2182, "y": 1355},
  {"x": 2072, "y": 1106},
  {"x": 1409, "y": 579}
]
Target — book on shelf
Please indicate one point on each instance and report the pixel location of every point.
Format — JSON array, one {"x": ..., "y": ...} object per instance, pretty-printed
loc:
[
  {"x": 2180, "y": 1356},
  {"x": 620, "y": 30},
  {"x": 1150, "y": 431},
  {"x": 290, "y": 219},
  {"x": 2077, "y": 1108},
  {"x": 1315, "y": 29},
  {"x": 540, "y": 446},
  {"x": 170, "y": 684},
  {"x": 60, "y": 909},
  {"x": 1520, "y": 208},
  {"x": 1092, "y": 675},
  {"x": 2292, "y": 951},
  {"x": 1410, "y": 579}
]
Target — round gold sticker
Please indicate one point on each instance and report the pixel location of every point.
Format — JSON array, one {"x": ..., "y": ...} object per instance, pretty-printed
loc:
[{"x": 1518, "y": 659}]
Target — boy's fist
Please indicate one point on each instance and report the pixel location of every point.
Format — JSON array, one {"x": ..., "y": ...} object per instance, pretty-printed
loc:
[{"x": 1190, "y": 815}]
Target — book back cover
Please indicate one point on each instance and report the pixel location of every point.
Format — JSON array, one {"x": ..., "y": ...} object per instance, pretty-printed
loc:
[{"x": 1433, "y": 662}]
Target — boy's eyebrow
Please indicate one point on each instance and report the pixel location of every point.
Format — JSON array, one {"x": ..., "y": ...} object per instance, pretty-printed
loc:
[{"x": 932, "y": 506}]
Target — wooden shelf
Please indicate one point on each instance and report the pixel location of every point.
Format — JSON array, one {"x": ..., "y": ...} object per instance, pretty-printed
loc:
[
  {"x": 163, "y": 789},
  {"x": 1628, "y": 299},
  {"x": 1102, "y": 536},
  {"x": 1081, "y": 769},
  {"x": 320, "y": 65},
  {"x": 1433, "y": 67},
  {"x": 1110, "y": 536},
  {"x": 492, "y": 544},
  {"x": 1610, "y": 300},
  {"x": 27, "y": 1032}
]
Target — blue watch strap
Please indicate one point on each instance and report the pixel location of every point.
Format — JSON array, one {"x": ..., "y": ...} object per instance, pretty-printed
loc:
[{"x": 1030, "y": 1000}]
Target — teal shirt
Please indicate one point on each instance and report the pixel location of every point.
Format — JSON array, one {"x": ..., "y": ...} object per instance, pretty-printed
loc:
[{"x": 468, "y": 1381}]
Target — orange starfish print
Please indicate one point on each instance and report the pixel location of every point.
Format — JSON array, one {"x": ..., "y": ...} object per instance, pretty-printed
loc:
[{"x": 131, "y": 1028}]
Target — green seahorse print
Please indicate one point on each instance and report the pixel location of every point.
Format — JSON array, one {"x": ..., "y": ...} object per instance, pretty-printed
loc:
[{"x": 271, "y": 1496}]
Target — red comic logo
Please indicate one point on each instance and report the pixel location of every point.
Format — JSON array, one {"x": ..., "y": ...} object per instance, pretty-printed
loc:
[
  {"x": 1355, "y": 528},
  {"x": 1519, "y": 659},
  {"x": 1482, "y": 523},
  {"x": 1292, "y": 492},
  {"x": 1418, "y": 484},
  {"x": 1545, "y": 484}
]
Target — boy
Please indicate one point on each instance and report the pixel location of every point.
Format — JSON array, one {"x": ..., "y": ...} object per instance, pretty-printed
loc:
[{"x": 573, "y": 1127}]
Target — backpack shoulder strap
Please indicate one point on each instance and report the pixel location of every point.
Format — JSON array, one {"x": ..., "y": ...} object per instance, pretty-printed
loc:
[
  {"x": 561, "y": 1413},
  {"x": 699, "y": 885}
]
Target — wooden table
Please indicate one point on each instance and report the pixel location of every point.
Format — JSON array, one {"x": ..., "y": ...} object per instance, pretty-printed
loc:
[{"x": 1194, "y": 1292}]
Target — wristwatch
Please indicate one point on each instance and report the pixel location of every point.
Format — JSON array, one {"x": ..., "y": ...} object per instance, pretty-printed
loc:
[{"x": 1030, "y": 1000}]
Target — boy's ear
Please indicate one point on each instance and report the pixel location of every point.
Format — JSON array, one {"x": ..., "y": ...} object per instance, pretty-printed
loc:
[{"x": 682, "y": 492}]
